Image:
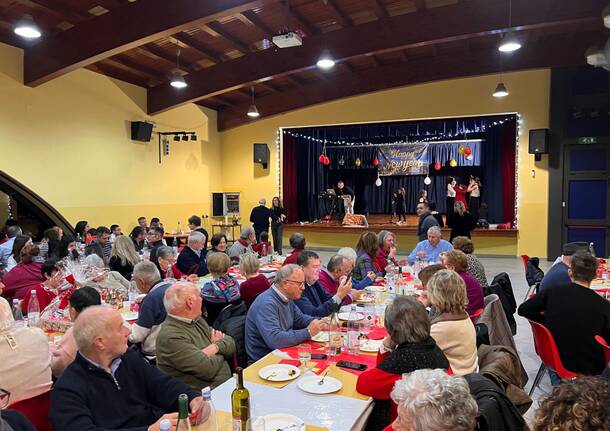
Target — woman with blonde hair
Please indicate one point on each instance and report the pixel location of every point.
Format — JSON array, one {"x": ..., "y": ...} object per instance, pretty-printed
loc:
[
  {"x": 123, "y": 256},
  {"x": 255, "y": 283},
  {"x": 460, "y": 221},
  {"x": 451, "y": 327}
]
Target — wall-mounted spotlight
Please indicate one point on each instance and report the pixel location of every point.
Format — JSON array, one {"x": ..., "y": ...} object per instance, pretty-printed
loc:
[
  {"x": 176, "y": 137},
  {"x": 185, "y": 137},
  {"x": 193, "y": 137}
]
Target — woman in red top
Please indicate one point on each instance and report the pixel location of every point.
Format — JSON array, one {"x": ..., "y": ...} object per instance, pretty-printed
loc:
[
  {"x": 255, "y": 283},
  {"x": 47, "y": 290},
  {"x": 26, "y": 275},
  {"x": 408, "y": 347}
]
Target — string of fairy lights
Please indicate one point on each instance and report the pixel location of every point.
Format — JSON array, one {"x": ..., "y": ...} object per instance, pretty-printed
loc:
[{"x": 432, "y": 138}]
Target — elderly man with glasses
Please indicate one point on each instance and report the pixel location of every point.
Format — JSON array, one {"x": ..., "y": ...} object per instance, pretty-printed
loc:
[
  {"x": 12, "y": 420},
  {"x": 274, "y": 321}
]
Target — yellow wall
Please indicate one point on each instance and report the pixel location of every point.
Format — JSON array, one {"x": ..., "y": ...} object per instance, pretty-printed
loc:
[
  {"x": 69, "y": 141},
  {"x": 529, "y": 95}
]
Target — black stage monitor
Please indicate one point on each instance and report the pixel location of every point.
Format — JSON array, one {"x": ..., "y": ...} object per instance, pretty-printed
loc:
[
  {"x": 261, "y": 154},
  {"x": 539, "y": 141}
]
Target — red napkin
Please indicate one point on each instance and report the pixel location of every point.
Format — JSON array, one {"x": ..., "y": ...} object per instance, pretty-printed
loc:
[
  {"x": 291, "y": 362},
  {"x": 377, "y": 333}
]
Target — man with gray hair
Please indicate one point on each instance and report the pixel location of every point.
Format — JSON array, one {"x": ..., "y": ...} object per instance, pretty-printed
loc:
[
  {"x": 187, "y": 348},
  {"x": 6, "y": 248},
  {"x": 191, "y": 259},
  {"x": 259, "y": 217},
  {"x": 242, "y": 245},
  {"x": 274, "y": 321},
  {"x": 431, "y": 249},
  {"x": 109, "y": 387},
  {"x": 432, "y": 400},
  {"x": 152, "y": 312}
]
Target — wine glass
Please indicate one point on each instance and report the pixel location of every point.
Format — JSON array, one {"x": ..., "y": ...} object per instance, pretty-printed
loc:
[
  {"x": 304, "y": 352},
  {"x": 256, "y": 423}
]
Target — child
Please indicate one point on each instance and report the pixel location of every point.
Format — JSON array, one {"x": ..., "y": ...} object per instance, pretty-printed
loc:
[{"x": 262, "y": 247}]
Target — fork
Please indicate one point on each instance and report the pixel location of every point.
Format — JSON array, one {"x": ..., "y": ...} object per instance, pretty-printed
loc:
[
  {"x": 321, "y": 381},
  {"x": 290, "y": 427},
  {"x": 273, "y": 374}
]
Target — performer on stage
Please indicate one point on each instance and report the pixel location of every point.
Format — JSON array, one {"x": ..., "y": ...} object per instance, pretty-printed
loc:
[
  {"x": 474, "y": 188},
  {"x": 423, "y": 197},
  {"x": 450, "y": 195},
  {"x": 347, "y": 194},
  {"x": 401, "y": 204},
  {"x": 460, "y": 194}
]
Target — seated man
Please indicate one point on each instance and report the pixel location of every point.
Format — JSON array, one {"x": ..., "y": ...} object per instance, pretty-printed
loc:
[
  {"x": 101, "y": 244},
  {"x": 274, "y": 321},
  {"x": 152, "y": 312},
  {"x": 558, "y": 275},
  {"x": 187, "y": 348},
  {"x": 315, "y": 301},
  {"x": 431, "y": 248},
  {"x": 108, "y": 387},
  {"x": 242, "y": 245},
  {"x": 195, "y": 225},
  {"x": 330, "y": 277},
  {"x": 574, "y": 314},
  {"x": 154, "y": 240},
  {"x": 297, "y": 242},
  {"x": 351, "y": 256},
  {"x": 191, "y": 259}
]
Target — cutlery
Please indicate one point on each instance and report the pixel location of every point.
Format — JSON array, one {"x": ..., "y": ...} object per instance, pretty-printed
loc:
[
  {"x": 290, "y": 427},
  {"x": 321, "y": 382},
  {"x": 273, "y": 374}
]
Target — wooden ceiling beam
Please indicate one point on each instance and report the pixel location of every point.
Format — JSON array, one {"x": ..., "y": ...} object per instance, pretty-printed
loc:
[
  {"x": 98, "y": 38},
  {"x": 217, "y": 28},
  {"x": 60, "y": 10},
  {"x": 132, "y": 64},
  {"x": 294, "y": 80},
  {"x": 342, "y": 19},
  {"x": 379, "y": 9},
  {"x": 198, "y": 46},
  {"x": 254, "y": 20},
  {"x": 170, "y": 58},
  {"x": 426, "y": 69},
  {"x": 298, "y": 21},
  {"x": 420, "y": 5},
  {"x": 473, "y": 19}
]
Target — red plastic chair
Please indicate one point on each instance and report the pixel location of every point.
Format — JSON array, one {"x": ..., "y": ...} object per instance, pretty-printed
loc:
[
  {"x": 605, "y": 346},
  {"x": 36, "y": 409},
  {"x": 525, "y": 258},
  {"x": 547, "y": 351},
  {"x": 476, "y": 315}
]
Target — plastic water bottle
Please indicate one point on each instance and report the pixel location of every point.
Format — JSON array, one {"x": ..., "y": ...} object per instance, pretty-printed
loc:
[
  {"x": 33, "y": 310},
  {"x": 17, "y": 314},
  {"x": 353, "y": 332},
  {"x": 211, "y": 424},
  {"x": 592, "y": 249},
  {"x": 165, "y": 425}
]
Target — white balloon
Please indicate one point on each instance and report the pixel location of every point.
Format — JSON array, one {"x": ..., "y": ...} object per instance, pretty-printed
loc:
[
  {"x": 427, "y": 181},
  {"x": 378, "y": 182},
  {"x": 469, "y": 157}
]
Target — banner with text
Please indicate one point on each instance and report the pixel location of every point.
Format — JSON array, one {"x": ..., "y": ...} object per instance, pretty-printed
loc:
[{"x": 406, "y": 159}]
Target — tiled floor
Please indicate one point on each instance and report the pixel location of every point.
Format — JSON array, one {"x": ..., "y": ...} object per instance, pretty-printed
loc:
[{"x": 523, "y": 338}]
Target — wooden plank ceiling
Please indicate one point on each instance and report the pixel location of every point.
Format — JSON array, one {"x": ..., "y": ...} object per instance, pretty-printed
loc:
[{"x": 225, "y": 47}]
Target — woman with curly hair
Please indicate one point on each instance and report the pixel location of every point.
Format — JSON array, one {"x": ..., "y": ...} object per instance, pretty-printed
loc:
[{"x": 581, "y": 404}]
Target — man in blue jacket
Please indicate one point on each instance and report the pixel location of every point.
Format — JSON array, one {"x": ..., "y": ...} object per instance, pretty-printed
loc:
[
  {"x": 192, "y": 258},
  {"x": 111, "y": 388}
]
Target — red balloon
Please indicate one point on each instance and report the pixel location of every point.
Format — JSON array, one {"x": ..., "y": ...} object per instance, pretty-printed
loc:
[
  {"x": 437, "y": 166},
  {"x": 375, "y": 162},
  {"x": 467, "y": 151},
  {"x": 326, "y": 161},
  {"x": 321, "y": 158}
]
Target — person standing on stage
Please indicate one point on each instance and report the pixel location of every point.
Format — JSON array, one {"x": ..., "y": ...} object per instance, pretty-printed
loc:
[
  {"x": 474, "y": 188},
  {"x": 278, "y": 217},
  {"x": 401, "y": 205},
  {"x": 343, "y": 192},
  {"x": 260, "y": 218},
  {"x": 450, "y": 195},
  {"x": 423, "y": 196}
]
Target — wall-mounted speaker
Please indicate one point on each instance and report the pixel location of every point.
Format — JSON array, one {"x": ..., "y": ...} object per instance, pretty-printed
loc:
[
  {"x": 141, "y": 131},
  {"x": 539, "y": 142},
  {"x": 261, "y": 154}
]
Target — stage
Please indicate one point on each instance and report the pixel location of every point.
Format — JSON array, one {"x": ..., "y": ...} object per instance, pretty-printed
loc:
[{"x": 332, "y": 235}]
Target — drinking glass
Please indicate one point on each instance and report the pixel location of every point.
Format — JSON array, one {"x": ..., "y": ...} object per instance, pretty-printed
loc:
[
  {"x": 256, "y": 423},
  {"x": 304, "y": 352},
  {"x": 369, "y": 319}
]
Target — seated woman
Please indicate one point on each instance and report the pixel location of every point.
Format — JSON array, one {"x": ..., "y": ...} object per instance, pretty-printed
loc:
[
  {"x": 138, "y": 237},
  {"x": 219, "y": 244},
  {"x": 50, "y": 239},
  {"x": 220, "y": 291},
  {"x": 407, "y": 347},
  {"x": 475, "y": 267},
  {"x": 166, "y": 263},
  {"x": 366, "y": 250},
  {"x": 47, "y": 290},
  {"x": 455, "y": 260},
  {"x": 64, "y": 353},
  {"x": 26, "y": 274},
  {"x": 66, "y": 247},
  {"x": 105, "y": 279},
  {"x": 25, "y": 364},
  {"x": 123, "y": 256},
  {"x": 255, "y": 283},
  {"x": 452, "y": 328}
]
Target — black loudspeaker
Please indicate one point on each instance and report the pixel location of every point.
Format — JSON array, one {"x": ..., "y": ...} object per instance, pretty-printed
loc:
[
  {"x": 261, "y": 154},
  {"x": 141, "y": 131},
  {"x": 217, "y": 204},
  {"x": 539, "y": 141}
]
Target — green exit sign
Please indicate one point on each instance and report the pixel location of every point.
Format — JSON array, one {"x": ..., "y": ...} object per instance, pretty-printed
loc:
[{"x": 587, "y": 140}]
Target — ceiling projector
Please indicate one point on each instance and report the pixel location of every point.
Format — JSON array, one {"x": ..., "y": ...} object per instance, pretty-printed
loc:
[{"x": 287, "y": 40}]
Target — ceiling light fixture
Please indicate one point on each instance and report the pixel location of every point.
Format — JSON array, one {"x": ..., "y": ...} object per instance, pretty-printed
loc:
[
  {"x": 177, "y": 80},
  {"x": 325, "y": 61},
  {"x": 253, "y": 111},
  {"x": 509, "y": 42},
  {"x": 27, "y": 28},
  {"x": 606, "y": 16},
  {"x": 500, "y": 91}
]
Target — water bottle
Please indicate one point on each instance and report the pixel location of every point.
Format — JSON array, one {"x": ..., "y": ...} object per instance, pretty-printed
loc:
[
  {"x": 17, "y": 314},
  {"x": 353, "y": 332},
  {"x": 33, "y": 310},
  {"x": 592, "y": 249},
  {"x": 211, "y": 424},
  {"x": 165, "y": 425}
]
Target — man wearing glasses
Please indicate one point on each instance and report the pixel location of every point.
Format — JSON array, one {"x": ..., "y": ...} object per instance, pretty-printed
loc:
[
  {"x": 12, "y": 420},
  {"x": 274, "y": 321}
]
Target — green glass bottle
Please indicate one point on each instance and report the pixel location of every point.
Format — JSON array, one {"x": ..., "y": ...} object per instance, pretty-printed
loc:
[
  {"x": 183, "y": 414},
  {"x": 240, "y": 403}
]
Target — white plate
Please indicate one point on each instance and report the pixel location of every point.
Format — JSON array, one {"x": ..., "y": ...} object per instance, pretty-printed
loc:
[
  {"x": 345, "y": 316},
  {"x": 279, "y": 372},
  {"x": 370, "y": 345},
  {"x": 130, "y": 315},
  {"x": 310, "y": 384},
  {"x": 281, "y": 421},
  {"x": 320, "y": 337},
  {"x": 376, "y": 288},
  {"x": 365, "y": 299}
]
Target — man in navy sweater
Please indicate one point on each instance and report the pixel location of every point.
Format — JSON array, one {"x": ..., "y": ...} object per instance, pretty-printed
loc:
[
  {"x": 558, "y": 274},
  {"x": 315, "y": 301},
  {"x": 274, "y": 321},
  {"x": 191, "y": 259},
  {"x": 108, "y": 387}
]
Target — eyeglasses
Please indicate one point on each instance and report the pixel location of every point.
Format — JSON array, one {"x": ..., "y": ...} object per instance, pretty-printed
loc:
[
  {"x": 4, "y": 397},
  {"x": 300, "y": 283}
]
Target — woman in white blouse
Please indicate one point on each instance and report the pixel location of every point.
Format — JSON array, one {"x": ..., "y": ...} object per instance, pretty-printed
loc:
[
  {"x": 450, "y": 195},
  {"x": 474, "y": 188}
]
